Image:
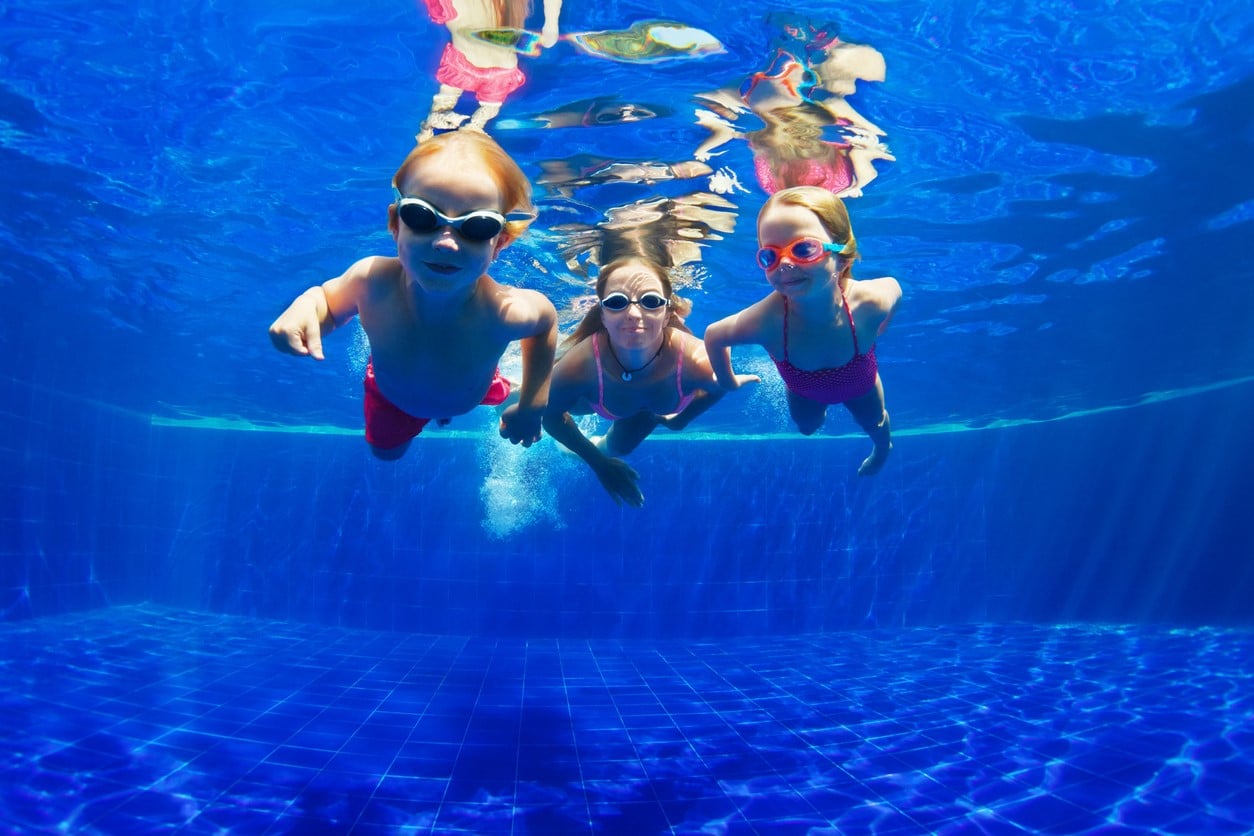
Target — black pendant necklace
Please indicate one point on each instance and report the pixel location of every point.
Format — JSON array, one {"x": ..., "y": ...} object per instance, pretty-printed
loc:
[{"x": 628, "y": 373}]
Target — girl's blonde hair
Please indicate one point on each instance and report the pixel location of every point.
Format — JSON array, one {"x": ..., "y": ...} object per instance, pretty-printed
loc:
[{"x": 830, "y": 211}]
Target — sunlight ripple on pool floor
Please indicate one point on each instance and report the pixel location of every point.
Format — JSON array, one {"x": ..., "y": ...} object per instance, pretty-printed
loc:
[{"x": 140, "y": 718}]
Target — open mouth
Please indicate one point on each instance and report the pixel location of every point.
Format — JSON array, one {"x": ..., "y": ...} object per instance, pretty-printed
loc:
[{"x": 442, "y": 269}]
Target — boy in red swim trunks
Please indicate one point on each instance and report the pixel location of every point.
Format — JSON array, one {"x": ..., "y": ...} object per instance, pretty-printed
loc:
[{"x": 437, "y": 322}]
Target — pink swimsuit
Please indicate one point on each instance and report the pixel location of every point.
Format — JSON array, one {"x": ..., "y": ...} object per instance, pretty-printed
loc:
[
  {"x": 441, "y": 11},
  {"x": 599, "y": 407},
  {"x": 835, "y": 174},
  {"x": 489, "y": 84},
  {"x": 835, "y": 385}
]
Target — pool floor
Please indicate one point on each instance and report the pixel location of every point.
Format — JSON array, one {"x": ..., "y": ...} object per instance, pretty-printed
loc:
[{"x": 138, "y": 719}]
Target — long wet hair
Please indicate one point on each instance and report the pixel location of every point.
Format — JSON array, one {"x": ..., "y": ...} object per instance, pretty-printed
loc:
[
  {"x": 513, "y": 14},
  {"x": 591, "y": 322},
  {"x": 510, "y": 179}
]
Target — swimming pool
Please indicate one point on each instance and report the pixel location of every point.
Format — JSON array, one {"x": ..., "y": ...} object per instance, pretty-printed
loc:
[{"x": 221, "y": 614}]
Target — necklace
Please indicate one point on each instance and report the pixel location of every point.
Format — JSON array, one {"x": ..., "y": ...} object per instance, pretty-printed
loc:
[{"x": 628, "y": 373}]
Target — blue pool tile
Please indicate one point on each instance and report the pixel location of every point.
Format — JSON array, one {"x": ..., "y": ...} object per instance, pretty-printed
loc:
[
  {"x": 635, "y": 817},
  {"x": 409, "y": 766},
  {"x": 1206, "y": 822},
  {"x": 313, "y": 728},
  {"x": 300, "y": 756},
  {"x": 1047, "y": 813}
]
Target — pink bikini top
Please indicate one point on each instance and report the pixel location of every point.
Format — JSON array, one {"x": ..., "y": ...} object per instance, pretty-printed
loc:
[
  {"x": 599, "y": 407},
  {"x": 835, "y": 385}
]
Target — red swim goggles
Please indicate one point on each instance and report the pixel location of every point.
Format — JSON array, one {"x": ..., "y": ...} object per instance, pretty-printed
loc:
[
  {"x": 800, "y": 251},
  {"x": 782, "y": 66}
]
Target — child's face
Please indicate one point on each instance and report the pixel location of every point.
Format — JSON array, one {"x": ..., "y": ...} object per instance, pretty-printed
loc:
[
  {"x": 780, "y": 225},
  {"x": 445, "y": 259},
  {"x": 635, "y": 327}
]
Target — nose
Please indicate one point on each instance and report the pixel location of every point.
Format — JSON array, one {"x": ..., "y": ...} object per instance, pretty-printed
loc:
[{"x": 444, "y": 238}]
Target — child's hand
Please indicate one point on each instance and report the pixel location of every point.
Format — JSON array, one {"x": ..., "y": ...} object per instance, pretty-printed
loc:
[
  {"x": 298, "y": 332},
  {"x": 738, "y": 380},
  {"x": 620, "y": 481},
  {"x": 521, "y": 426}
]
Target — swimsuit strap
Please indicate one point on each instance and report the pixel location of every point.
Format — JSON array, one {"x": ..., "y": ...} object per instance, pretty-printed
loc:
[
  {"x": 849, "y": 314},
  {"x": 679, "y": 374},
  {"x": 786, "y": 360},
  {"x": 596, "y": 351}
]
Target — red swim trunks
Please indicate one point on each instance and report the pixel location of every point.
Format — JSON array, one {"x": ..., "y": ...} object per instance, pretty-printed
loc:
[
  {"x": 489, "y": 84},
  {"x": 388, "y": 426}
]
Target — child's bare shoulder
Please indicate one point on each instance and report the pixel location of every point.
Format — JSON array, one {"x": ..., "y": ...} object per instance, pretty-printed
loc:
[
  {"x": 577, "y": 362},
  {"x": 763, "y": 313},
  {"x": 379, "y": 267},
  {"x": 883, "y": 292},
  {"x": 690, "y": 344},
  {"x": 519, "y": 306},
  {"x": 696, "y": 359},
  {"x": 375, "y": 276}
]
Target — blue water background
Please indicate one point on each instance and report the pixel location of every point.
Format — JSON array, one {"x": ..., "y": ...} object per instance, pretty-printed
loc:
[
  {"x": 1071, "y": 378},
  {"x": 1069, "y": 374}
]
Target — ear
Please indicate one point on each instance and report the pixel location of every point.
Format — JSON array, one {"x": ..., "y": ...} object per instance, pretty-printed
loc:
[{"x": 503, "y": 240}]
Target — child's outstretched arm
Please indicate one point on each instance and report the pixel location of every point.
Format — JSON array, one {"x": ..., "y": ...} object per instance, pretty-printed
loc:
[
  {"x": 737, "y": 329},
  {"x": 312, "y": 315},
  {"x": 705, "y": 397},
  {"x": 619, "y": 479},
  {"x": 535, "y": 314},
  {"x": 299, "y": 329},
  {"x": 889, "y": 296}
]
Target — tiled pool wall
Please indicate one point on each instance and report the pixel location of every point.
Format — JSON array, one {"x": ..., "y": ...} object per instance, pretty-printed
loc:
[{"x": 1117, "y": 517}]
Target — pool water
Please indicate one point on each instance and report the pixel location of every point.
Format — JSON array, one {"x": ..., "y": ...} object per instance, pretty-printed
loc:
[
  {"x": 218, "y": 613},
  {"x": 144, "y": 718}
]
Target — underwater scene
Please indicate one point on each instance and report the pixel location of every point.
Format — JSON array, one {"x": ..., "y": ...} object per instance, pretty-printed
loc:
[{"x": 484, "y": 416}]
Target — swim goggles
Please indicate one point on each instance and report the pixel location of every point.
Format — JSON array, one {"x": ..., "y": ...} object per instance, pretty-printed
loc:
[
  {"x": 781, "y": 67},
  {"x": 801, "y": 251},
  {"x": 479, "y": 225},
  {"x": 619, "y": 301}
]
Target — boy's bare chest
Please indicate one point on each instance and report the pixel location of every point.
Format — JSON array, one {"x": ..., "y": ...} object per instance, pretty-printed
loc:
[{"x": 469, "y": 341}]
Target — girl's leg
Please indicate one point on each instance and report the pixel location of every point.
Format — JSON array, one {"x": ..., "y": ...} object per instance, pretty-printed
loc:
[
  {"x": 484, "y": 114},
  {"x": 625, "y": 434},
  {"x": 441, "y": 116},
  {"x": 808, "y": 415},
  {"x": 871, "y": 415}
]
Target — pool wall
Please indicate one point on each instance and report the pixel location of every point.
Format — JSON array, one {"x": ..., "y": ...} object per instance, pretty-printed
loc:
[{"x": 1133, "y": 516}]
